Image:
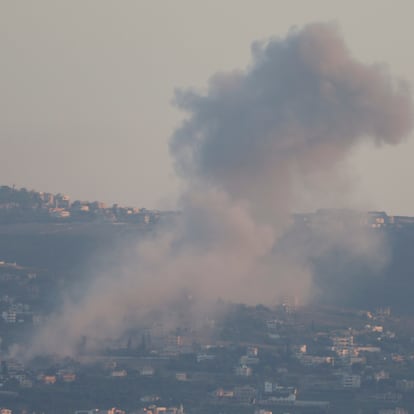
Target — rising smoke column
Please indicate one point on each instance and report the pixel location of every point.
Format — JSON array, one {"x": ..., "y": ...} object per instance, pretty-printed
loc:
[
  {"x": 248, "y": 149},
  {"x": 296, "y": 111}
]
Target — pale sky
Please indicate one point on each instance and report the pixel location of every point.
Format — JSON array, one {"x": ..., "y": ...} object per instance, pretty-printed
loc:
[{"x": 86, "y": 88}]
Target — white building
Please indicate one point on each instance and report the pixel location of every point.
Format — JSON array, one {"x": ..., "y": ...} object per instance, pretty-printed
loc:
[
  {"x": 268, "y": 387},
  {"x": 9, "y": 317},
  {"x": 351, "y": 381},
  {"x": 243, "y": 371}
]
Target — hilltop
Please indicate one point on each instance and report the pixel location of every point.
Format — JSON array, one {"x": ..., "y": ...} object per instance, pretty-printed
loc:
[
  {"x": 29, "y": 206},
  {"x": 52, "y": 232}
]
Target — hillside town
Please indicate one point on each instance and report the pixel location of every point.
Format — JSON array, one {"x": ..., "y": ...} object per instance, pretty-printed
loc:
[
  {"x": 290, "y": 357},
  {"x": 285, "y": 359},
  {"x": 22, "y": 206},
  {"x": 256, "y": 360}
]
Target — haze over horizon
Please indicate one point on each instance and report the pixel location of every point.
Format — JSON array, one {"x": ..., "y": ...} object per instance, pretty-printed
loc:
[{"x": 87, "y": 89}]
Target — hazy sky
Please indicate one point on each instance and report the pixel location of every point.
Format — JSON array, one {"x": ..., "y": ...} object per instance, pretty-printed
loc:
[{"x": 86, "y": 88}]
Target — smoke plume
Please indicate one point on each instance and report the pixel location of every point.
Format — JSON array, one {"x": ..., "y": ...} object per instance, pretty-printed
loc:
[
  {"x": 258, "y": 145},
  {"x": 294, "y": 113}
]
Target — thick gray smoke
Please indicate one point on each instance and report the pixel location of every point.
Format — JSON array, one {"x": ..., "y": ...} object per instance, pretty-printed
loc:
[
  {"x": 291, "y": 117},
  {"x": 260, "y": 144}
]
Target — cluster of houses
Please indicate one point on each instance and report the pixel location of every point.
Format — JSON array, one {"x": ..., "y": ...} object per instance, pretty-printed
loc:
[
  {"x": 343, "y": 218},
  {"x": 152, "y": 409},
  {"x": 16, "y": 310},
  {"x": 23, "y": 205}
]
